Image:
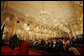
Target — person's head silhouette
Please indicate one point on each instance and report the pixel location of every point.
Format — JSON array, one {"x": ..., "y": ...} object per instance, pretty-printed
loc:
[{"x": 15, "y": 35}]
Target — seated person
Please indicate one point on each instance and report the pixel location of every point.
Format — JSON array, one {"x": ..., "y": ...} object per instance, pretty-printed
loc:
[
  {"x": 57, "y": 44},
  {"x": 74, "y": 50},
  {"x": 42, "y": 42},
  {"x": 47, "y": 43},
  {"x": 51, "y": 43},
  {"x": 14, "y": 42}
]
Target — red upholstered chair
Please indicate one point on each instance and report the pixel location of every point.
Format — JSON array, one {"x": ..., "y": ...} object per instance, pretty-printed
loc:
[
  {"x": 24, "y": 48},
  {"x": 80, "y": 50},
  {"x": 35, "y": 53},
  {"x": 61, "y": 53},
  {"x": 5, "y": 50},
  {"x": 31, "y": 53},
  {"x": 8, "y": 51},
  {"x": 16, "y": 51}
]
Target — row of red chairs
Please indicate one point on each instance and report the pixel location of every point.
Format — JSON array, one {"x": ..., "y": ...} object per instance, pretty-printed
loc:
[{"x": 23, "y": 50}]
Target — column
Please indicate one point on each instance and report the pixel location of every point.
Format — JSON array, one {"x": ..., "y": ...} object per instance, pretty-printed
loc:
[
  {"x": 69, "y": 30},
  {"x": 52, "y": 32},
  {"x": 72, "y": 31},
  {"x": 40, "y": 31},
  {"x": 14, "y": 23}
]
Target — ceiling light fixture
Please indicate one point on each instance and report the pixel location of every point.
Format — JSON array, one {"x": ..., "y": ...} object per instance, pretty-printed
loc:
[
  {"x": 26, "y": 27},
  {"x": 37, "y": 29},
  {"x": 43, "y": 14}
]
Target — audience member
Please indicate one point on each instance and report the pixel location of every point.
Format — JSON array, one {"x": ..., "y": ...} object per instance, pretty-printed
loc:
[{"x": 14, "y": 42}]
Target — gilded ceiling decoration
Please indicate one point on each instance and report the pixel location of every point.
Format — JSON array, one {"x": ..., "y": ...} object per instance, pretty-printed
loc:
[{"x": 43, "y": 17}]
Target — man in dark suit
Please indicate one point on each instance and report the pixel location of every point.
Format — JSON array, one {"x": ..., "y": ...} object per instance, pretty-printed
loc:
[
  {"x": 14, "y": 42},
  {"x": 52, "y": 43},
  {"x": 42, "y": 42},
  {"x": 48, "y": 44}
]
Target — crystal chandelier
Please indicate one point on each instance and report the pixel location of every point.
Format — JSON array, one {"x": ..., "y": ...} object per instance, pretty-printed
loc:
[
  {"x": 26, "y": 27},
  {"x": 43, "y": 14}
]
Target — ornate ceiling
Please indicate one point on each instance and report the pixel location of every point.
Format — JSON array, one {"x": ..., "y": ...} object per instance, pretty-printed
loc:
[
  {"x": 58, "y": 11},
  {"x": 51, "y": 13}
]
